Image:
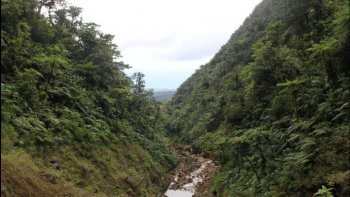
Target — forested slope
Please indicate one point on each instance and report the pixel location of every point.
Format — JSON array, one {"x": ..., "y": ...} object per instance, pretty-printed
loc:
[
  {"x": 72, "y": 123},
  {"x": 273, "y": 104}
]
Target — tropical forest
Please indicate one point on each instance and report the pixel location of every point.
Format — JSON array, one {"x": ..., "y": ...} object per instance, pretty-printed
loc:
[{"x": 267, "y": 116}]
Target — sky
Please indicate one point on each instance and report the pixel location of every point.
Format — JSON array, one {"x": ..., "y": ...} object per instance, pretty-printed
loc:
[{"x": 167, "y": 40}]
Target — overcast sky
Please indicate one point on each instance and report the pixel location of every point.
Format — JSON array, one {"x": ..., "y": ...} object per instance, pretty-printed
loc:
[{"x": 167, "y": 40}]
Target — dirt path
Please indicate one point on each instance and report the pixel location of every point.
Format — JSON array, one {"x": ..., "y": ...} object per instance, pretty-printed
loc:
[{"x": 193, "y": 174}]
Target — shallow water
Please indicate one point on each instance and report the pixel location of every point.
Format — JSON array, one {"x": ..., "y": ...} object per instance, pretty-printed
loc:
[{"x": 178, "y": 193}]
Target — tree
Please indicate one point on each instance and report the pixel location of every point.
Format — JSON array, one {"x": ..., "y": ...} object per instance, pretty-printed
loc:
[{"x": 139, "y": 84}]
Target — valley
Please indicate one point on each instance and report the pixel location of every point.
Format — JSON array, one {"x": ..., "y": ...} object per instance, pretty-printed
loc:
[{"x": 268, "y": 115}]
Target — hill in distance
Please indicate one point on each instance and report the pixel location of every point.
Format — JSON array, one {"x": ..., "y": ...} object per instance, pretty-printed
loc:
[{"x": 163, "y": 95}]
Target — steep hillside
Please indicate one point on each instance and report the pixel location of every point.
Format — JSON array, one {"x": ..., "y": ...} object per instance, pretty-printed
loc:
[
  {"x": 273, "y": 104},
  {"x": 72, "y": 123}
]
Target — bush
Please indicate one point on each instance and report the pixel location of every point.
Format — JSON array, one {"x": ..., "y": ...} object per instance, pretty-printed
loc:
[{"x": 282, "y": 105}]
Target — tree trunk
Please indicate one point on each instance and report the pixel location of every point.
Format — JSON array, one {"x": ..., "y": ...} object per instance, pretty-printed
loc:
[
  {"x": 40, "y": 6},
  {"x": 254, "y": 170}
]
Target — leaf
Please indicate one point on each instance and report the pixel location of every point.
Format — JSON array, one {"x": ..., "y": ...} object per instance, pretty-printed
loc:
[
  {"x": 306, "y": 144},
  {"x": 294, "y": 82},
  {"x": 341, "y": 114},
  {"x": 319, "y": 132},
  {"x": 345, "y": 105}
]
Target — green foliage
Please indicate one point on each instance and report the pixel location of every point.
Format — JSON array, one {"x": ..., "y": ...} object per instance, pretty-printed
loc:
[
  {"x": 272, "y": 105},
  {"x": 65, "y": 97},
  {"x": 282, "y": 105},
  {"x": 234, "y": 113},
  {"x": 324, "y": 192},
  {"x": 27, "y": 84}
]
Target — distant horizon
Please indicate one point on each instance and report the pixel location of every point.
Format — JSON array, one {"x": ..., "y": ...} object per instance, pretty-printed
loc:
[{"x": 161, "y": 89}]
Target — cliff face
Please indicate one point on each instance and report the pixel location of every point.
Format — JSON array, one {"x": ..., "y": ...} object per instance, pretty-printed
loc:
[{"x": 271, "y": 104}]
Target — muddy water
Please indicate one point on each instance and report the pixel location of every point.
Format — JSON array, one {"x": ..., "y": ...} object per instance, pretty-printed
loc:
[{"x": 192, "y": 175}]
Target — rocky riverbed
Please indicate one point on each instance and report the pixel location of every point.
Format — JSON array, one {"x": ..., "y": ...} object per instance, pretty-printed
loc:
[{"x": 192, "y": 176}]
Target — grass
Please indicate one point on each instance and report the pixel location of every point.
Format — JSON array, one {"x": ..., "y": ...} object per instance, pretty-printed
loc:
[{"x": 122, "y": 169}]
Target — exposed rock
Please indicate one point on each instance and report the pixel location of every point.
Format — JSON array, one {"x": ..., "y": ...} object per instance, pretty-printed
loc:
[
  {"x": 193, "y": 168},
  {"x": 55, "y": 164}
]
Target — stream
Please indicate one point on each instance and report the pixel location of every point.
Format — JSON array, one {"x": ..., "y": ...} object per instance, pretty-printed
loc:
[{"x": 192, "y": 175}]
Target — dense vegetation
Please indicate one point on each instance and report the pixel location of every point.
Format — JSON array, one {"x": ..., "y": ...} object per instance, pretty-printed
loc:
[
  {"x": 71, "y": 120},
  {"x": 273, "y": 104}
]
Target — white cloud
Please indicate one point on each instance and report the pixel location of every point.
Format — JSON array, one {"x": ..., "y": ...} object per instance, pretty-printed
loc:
[{"x": 167, "y": 40}]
